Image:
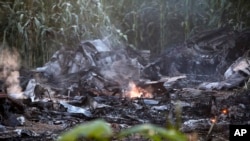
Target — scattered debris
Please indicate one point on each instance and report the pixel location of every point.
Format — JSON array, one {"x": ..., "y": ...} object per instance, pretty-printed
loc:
[{"x": 121, "y": 86}]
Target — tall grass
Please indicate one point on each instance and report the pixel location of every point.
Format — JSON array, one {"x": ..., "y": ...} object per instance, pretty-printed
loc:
[
  {"x": 157, "y": 24},
  {"x": 37, "y": 28}
]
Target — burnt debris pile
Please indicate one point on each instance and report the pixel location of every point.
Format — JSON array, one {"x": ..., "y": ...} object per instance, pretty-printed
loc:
[
  {"x": 94, "y": 65},
  {"x": 125, "y": 87},
  {"x": 205, "y": 57},
  {"x": 202, "y": 60}
]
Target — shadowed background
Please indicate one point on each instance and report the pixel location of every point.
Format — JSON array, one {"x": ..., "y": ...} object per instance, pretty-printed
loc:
[{"x": 37, "y": 28}]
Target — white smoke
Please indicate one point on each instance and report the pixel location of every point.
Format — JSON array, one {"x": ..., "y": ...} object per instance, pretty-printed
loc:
[{"x": 9, "y": 71}]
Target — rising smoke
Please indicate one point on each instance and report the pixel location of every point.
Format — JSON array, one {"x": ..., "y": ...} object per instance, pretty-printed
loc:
[{"x": 9, "y": 72}]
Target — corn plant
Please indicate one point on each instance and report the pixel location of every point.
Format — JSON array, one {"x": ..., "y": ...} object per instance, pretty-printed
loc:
[
  {"x": 37, "y": 28},
  {"x": 155, "y": 25},
  {"x": 99, "y": 130}
]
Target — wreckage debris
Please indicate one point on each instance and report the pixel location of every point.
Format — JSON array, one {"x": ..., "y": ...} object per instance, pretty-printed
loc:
[
  {"x": 122, "y": 86},
  {"x": 94, "y": 64},
  {"x": 236, "y": 75},
  {"x": 98, "y": 67},
  {"x": 205, "y": 57}
]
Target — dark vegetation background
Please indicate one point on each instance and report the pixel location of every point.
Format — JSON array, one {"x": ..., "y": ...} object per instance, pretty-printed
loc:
[{"x": 37, "y": 27}]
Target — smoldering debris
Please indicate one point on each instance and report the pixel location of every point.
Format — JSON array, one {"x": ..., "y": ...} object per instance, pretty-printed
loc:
[
  {"x": 102, "y": 68},
  {"x": 95, "y": 80},
  {"x": 92, "y": 65},
  {"x": 205, "y": 57},
  {"x": 96, "y": 66},
  {"x": 234, "y": 76}
]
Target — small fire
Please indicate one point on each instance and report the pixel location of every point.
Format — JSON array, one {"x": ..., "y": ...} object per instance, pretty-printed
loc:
[
  {"x": 213, "y": 120},
  {"x": 224, "y": 111},
  {"x": 135, "y": 91}
]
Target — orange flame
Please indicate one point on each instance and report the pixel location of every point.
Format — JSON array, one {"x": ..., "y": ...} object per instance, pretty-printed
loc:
[
  {"x": 224, "y": 111},
  {"x": 213, "y": 120},
  {"x": 135, "y": 92}
]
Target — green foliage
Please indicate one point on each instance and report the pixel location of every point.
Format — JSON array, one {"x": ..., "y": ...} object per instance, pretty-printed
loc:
[
  {"x": 97, "y": 130},
  {"x": 157, "y": 24},
  {"x": 100, "y": 130},
  {"x": 238, "y": 14},
  {"x": 154, "y": 133},
  {"x": 37, "y": 28}
]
